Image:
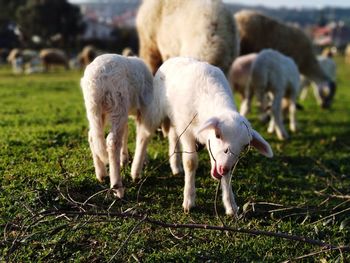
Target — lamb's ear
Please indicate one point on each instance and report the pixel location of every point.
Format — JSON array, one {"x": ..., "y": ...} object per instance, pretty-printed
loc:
[
  {"x": 260, "y": 144},
  {"x": 212, "y": 123}
]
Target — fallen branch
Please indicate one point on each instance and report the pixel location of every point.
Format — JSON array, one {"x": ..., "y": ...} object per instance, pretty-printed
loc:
[
  {"x": 147, "y": 219},
  {"x": 343, "y": 197}
]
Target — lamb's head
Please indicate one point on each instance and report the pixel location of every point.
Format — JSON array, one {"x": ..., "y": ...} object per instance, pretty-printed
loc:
[
  {"x": 326, "y": 91},
  {"x": 226, "y": 137}
]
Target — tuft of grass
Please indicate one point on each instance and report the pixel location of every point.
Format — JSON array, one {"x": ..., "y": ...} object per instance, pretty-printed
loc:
[{"x": 46, "y": 165}]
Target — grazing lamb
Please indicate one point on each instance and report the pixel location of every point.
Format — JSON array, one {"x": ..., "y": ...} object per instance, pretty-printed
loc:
[
  {"x": 276, "y": 76},
  {"x": 15, "y": 58},
  {"x": 127, "y": 52},
  {"x": 329, "y": 67},
  {"x": 24, "y": 60},
  {"x": 53, "y": 56},
  {"x": 258, "y": 32},
  {"x": 115, "y": 87},
  {"x": 199, "y": 104},
  {"x": 201, "y": 29},
  {"x": 87, "y": 55}
]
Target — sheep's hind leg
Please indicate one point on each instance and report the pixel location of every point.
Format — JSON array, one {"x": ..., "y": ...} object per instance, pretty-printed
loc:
[
  {"x": 277, "y": 117},
  {"x": 292, "y": 119},
  {"x": 97, "y": 123},
  {"x": 124, "y": 155},
  {"x": 142, "y": 138},
  {"x": 100, "y": 166},
  {"x": 114, "y": 144}
]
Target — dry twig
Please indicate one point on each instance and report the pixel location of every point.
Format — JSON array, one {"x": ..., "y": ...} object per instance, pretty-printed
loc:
[{"x": 148, "y": 219}]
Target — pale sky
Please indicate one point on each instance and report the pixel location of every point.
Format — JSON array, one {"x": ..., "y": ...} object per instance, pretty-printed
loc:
[
  {"x": 294, "y": 3},
  {"x": 275, "y": 3}
]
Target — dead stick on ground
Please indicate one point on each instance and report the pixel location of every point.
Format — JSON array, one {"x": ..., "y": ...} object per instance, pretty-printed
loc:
[
  {"x": 344, "y": 197},
  {"x": 127, "y": 238},
  {"x": 145, "y": 218}
]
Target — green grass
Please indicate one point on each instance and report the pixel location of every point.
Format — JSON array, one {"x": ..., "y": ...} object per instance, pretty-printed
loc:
[{"x": 46, "y": 164}]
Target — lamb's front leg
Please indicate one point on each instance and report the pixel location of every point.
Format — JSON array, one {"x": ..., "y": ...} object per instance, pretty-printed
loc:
[
  {"x": 174, "y": 152},
  {"x": 190, "y": 163},
  {"x": 227, "y": 197}
]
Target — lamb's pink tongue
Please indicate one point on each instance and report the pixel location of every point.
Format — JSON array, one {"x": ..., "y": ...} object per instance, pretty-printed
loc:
[{"x": 215, "y": 174}]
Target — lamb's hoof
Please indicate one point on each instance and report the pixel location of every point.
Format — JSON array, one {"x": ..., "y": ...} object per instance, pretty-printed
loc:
[
  {"x": 283, "y": 137},
  {"x": 187, "y": 205},
  {"x": 293, "y": 129},
  {"x": 135, "y": 178},
  {"x": 271, "y": 130},
  {"x": 186, "y": 210},
  {"x": 101, "y": 178},
  {"x": 232, "y": 213},
  {"x": 124, "y": 162},
  {"x": 177, "y": 171},
  {"x": 118, "y": 191}
]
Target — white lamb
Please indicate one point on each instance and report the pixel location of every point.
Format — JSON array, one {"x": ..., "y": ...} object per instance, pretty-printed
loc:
[
  {"x": 199, "y": 104},
  {"x": 115, "y": 87},
  {"x": 274, "y": 76}
]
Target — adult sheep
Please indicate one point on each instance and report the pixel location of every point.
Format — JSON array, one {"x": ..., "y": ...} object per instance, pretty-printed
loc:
[
  {"x": 204, "y": 30},
  {"x": 53, "y": 56},
  {"x": 258, "y": 32}
]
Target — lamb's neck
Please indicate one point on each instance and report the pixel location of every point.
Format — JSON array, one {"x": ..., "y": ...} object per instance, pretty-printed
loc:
[{"x": 215, "y": 106}]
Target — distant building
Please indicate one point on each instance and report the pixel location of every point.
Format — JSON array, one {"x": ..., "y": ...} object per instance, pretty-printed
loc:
[
  {"x": 97, "y": 30},
  {"x": 127, "y": 19},
  {"x": 103, "y": 18},
  {"x": 333, "y": 34}
]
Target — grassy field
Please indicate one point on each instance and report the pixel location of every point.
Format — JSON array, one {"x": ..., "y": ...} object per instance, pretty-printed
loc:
[{"x": 46, "y": 166}]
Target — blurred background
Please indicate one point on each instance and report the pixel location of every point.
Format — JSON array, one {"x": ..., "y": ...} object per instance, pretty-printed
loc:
[{"x": 110, "y": 24}]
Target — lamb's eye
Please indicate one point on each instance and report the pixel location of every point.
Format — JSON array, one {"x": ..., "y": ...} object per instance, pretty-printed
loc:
[
  {"x": 226, "y": 151},
  {"x": 217, "y": 135}
]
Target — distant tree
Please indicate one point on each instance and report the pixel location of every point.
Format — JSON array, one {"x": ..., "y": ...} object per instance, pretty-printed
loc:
[
  {"x": 50, "y": 20},
  {"x": 8, "y": 10}
]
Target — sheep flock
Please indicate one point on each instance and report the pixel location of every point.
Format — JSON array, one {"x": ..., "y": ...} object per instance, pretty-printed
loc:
[
  {"x": 200, "y": 56},
  {"x": 194, "y": 58}
]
